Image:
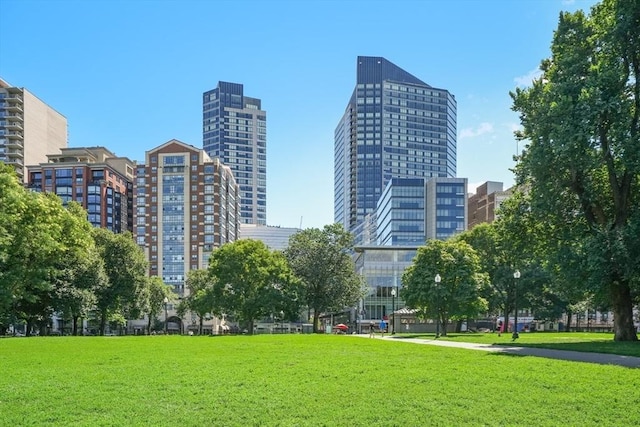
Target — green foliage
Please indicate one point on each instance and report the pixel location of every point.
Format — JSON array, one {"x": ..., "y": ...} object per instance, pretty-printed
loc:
[
  {"x": 581, "y": 165},
  {"x": 157, "y": 291},
  {"x": 300, "y": 380},
  {"x": 200, "y": 300},
  {"x": 126, "y": 268},
  {"x": 321, "y": 260},
  {"x": 249, "y": 281},
  {"x": 457, "y": 296}
]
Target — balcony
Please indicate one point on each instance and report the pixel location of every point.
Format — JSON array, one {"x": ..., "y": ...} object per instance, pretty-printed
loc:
[
  {"x": 15, "y": 125},
  {"x": 13, "y": 106},
  {"x": 15, "y": 135},
  {"x": 12, "y": 154}
]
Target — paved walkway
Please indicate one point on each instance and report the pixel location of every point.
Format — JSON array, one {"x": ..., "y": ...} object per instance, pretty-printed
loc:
[{"x": 578, "y": 356}]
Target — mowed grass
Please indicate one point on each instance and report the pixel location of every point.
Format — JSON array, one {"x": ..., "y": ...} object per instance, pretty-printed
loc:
[
  {"x": 593, "y": 342},
  {"x": 300, "y": 380}
]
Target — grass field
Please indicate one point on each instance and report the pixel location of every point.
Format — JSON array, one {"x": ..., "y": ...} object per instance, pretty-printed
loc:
[{"x": 300, "y": 380}]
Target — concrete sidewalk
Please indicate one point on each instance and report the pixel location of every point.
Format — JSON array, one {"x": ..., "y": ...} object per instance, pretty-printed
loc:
[{"x": 577, "y": 356}]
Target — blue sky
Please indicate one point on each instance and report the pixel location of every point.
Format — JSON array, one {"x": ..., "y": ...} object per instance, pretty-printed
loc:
[{"x": 129, "y": 75}]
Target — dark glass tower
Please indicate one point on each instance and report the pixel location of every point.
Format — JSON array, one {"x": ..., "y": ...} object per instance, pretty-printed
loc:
[
  {"x": 395, "y": 126},
  {"x": 235, "y": 131}
]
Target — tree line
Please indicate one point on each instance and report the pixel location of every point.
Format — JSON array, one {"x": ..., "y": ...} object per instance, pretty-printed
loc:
[{"x": 53, "y": 261}]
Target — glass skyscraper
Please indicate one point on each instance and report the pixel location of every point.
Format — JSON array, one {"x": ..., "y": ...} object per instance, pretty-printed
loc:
[
  {"x": 235, "y": 131},
  {"x": 395, "y": 126}
]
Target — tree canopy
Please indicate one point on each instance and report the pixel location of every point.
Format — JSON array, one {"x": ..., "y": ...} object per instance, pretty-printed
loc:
[
  {"x": 249, "y": 280},
  {"x": 321, "y": 259},
  {"x": 457, "y": 296},
  {"x": 581, "y": 163}
]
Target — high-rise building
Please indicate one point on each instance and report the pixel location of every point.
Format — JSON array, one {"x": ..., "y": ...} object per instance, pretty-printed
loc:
[
  {"x": 395, "y": 126},
  {"x": 235, "y": 131},
  {"x": 186, "y": 205},
  {"x": 94, "y": 177},
  {"x": 29, "y": 129}
]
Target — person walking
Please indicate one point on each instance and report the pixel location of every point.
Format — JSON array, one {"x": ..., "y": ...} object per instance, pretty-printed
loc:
[
  {"x": 372, "y": 330},
  {"x": 383, "y": 326}
]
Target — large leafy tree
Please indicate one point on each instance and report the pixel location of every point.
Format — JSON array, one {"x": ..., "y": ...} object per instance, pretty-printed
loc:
[
  {"x": 321, "y": 260},
  {"x": 200, "y": 299},
  {"x": 79, "y": 271},
  {"x": 249, "y": 279},
  {"x": 157, "y": 291},
  {"x": 125, "y": 267},
  {"x": 30, "y": 245},
  {"x": 581, "y": 119},
  {"x": 457, "y": 296}
]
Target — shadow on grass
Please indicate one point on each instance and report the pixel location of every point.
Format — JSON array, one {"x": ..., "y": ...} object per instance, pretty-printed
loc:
[{"x": 549, "y": 341}]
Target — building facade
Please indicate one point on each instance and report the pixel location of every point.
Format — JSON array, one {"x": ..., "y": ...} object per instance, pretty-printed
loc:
[
  {"x": 394, "y": 126},
  {"x": 382, "y": 268},
  {"x": 94, "y": 177},
  {"x": 29, "y": 129},
  {"x": 186, "y": 205},
  {"x": 276, "y": 238},
  {"x": 446, "y": 207},
  {"x": 484, "y": 204},
  {"x": 235, "y": 131},
  {"x": 401, "y": 213}
]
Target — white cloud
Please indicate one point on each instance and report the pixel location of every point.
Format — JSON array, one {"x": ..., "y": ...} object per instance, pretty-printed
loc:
[
  {"x": 568, "y": 2},
  {"x": 528, "y": 78},
  {"x": 484, "y": 128}
]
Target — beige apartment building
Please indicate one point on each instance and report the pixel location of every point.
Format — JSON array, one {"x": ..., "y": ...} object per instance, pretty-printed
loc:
[{"x": 29, "y": 129}]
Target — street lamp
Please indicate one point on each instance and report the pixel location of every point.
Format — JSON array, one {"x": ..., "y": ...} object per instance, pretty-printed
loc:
[
  {"x": 516, "y": 276},
  {"x": 166, "y": 301},
  {"x": 393, "y": 311},
  {"x": 438, "y": 279}
]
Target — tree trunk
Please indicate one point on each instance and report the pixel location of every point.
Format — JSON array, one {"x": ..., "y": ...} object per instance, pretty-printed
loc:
[
  {"x": 623, "y": 327},
  {"x": 251, "y": 327},
  {"x": 103, "y": 322},
  {"x": 149, "y": 324},
  {"x": 201, "y": 325},
  {"x": 75, "y": 326}
]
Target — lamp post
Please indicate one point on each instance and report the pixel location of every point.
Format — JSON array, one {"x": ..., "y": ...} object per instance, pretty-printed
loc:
[
  {"x": 516, "y": 276},
  {"x": 166, "y": 301},
  {"x": 438, "y": 279},
  {"x": 393, "y": 311}
]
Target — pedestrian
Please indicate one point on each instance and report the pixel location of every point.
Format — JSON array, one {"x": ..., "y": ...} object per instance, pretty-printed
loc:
[
  {"x": 383, "y": 326},
  {"x": 372, "y": 330},
  {"x": 500, "y": 326}
]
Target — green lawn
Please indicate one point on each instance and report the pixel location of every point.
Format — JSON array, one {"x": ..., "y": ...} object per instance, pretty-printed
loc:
[{"x": 299, "y": 380}]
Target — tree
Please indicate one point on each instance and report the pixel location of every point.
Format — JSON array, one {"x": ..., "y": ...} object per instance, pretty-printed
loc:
[
  {"x": 321, "y": 260},
  {"x": 79, "y": 272},
  {"x": 457, "y": 296},
  {"x": 581, "y": 121},
  {"x": 126, "y": 268},
  {"x": 201, "y": 299},
  {"x": 248, "y": 279},
  {"x": 30, "y": 245},
  {"x": 157, "y": 292}
]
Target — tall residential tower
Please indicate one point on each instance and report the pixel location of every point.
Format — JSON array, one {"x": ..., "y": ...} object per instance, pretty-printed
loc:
[
  {"x": 29, "y": 129},
  {"x": 235, "y": 131},
  {"x": 395, "y": 126}
]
